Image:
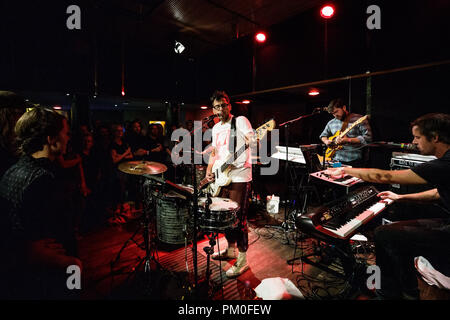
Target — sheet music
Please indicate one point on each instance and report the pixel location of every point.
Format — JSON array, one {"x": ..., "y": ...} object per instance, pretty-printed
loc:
[{"x": 295, "y": 154}]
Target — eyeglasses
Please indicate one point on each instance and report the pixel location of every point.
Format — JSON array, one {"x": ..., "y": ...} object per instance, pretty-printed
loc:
[{"x": 220, "y": 106}]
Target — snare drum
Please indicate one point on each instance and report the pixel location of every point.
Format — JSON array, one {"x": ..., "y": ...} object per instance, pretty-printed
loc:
[
  {"x": 222, "y": 214},
  {"x": 171, "y": 217}
]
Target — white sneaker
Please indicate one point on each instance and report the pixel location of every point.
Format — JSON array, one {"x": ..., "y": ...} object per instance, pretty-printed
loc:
[
  {"x": 237, "y": 269},
  {"x": 225, "y": 254}
]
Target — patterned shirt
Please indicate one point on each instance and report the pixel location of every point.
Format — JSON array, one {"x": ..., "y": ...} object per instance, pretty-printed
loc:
[{"x": 361, "y": 131}]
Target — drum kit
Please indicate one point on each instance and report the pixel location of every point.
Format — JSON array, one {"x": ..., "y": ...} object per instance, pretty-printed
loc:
[{"x": 175, "y": 213}]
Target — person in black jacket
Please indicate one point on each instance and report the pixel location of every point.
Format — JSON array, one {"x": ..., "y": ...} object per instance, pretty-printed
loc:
[{"x": 37, "y": 240}]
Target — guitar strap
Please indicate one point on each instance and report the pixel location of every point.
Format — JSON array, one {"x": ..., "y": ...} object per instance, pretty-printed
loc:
[
  {"x": 233, "y": 137},
  {"x": 345, "y": 124}
]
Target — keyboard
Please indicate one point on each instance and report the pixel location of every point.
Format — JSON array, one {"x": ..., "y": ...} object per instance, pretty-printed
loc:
[
  {"x": 342, "y": 218},
  {"x": 345, "y": 181}
]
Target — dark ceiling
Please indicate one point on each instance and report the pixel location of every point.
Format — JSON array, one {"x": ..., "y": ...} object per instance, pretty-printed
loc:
[
  {"x": 204, "y": 24},
  {"x": 131, "y": 42}
]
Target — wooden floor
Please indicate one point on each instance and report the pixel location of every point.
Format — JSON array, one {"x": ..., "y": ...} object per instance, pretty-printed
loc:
[{"x": 172, "y": 269}]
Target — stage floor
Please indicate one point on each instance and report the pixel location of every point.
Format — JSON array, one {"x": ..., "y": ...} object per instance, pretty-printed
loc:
[{"x": 172, "y": 277}]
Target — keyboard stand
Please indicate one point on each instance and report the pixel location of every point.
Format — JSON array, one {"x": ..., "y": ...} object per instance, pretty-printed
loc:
[{"x": 344, "y": 254}]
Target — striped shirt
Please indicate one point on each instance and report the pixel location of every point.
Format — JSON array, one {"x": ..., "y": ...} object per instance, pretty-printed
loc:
[{"x": 361, "y": 131}]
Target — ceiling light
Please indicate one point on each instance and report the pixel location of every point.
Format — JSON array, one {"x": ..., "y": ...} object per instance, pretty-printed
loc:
[
  {"x": 327, "y": 11},
  {"x": 179, "y": 48}
]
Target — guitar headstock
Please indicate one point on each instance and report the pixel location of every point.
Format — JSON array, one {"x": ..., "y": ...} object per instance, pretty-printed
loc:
[{"x": 262, "y": 130}]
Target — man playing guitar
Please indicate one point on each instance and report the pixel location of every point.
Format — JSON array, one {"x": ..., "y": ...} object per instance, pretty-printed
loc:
[
  {"x": 241, "y": 176},
  {"x": 361, "y": 134}
]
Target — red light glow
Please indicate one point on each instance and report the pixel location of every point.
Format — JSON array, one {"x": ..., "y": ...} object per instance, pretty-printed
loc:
[
  {"x": 123, "y": 92},
  {"x": 245, "y": 101},
  {"x": 203, "y": 107},
  {"x": 260, "y": 37},
  {"x": 327, "y": 12},
  {"x": 313, "y": 92}
]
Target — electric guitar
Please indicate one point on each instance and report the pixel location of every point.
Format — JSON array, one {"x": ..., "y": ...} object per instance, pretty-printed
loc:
[
  {"x": 222, "y": 168},
  {"x": 333, "y": 147}
]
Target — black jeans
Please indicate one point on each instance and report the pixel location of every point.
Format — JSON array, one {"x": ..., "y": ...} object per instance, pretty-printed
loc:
[
  {"x": 398, "y": 243},
  {"x": 240, "y": 193}
]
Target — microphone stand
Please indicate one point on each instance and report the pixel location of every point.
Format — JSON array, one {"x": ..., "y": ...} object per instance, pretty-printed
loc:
[
  {"x": 285, "y": 224},
  {"x": 195, "y": 205}
]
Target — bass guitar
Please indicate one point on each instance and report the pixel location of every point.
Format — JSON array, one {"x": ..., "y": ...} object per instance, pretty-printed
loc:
[{"x": 221, "y": 168}]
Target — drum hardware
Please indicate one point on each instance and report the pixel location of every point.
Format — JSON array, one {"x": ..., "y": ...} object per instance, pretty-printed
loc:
[
  {"x": 144, "y": 169},
  {"x": 216, "y": 216}
]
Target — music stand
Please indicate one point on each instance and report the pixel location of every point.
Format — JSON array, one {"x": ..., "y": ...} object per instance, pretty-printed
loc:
[{"x": 288, "y": 223}]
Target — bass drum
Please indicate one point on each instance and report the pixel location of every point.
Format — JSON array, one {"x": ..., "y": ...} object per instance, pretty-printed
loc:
[
  {"x": 171, "y": 218},
  {"x": 222, "y": 214}
]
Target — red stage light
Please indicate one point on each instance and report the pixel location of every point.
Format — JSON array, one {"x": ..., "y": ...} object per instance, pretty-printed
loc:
[
  {"x": 327, "y": 11},
  {"x": 260, "y": 37},
  {"x": 313, "y": 92},
  {"x": 203, "y": 107},
  {"x": 123, "y": 92},
  {"x": 245, "y": 101}
]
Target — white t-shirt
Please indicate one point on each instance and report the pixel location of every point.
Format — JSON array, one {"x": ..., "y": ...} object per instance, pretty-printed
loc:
[{"x": 242, "y": 171}]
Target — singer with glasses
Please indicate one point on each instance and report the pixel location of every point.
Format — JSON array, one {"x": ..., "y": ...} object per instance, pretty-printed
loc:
[
  {"x": 241, "y": 176},
  {"x": 351, "y": 153},
  {"x": 399, "y": 243}
]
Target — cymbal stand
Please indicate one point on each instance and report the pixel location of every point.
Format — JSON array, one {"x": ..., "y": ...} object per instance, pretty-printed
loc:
[
  {"x": 112, "y": 263},
  {"x": 151, "y": 251}
]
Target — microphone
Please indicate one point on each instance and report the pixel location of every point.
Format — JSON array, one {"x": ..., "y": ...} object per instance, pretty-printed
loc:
[
  {"x": 320, "y": 109},
  {"x": 209, "y": 118},
  {"x": 407, "y": 146}
]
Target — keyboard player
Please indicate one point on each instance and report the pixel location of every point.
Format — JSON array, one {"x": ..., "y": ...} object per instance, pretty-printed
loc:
[{"x": 398, "y": 243}]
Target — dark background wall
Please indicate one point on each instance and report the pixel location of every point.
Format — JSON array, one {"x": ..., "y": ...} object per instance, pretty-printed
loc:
[{"x": 39, "y": 54}]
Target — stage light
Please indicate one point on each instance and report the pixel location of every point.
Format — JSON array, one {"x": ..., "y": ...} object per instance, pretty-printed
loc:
[
  {"x": 260, "y": 37},
  {"x": 123, "y": 92},
  {"x": 327, "y": 11},
  {"x": 57, "y": 107},
  {"x": 245, "y": 101},
  {"x": 313, "y": 92},
  {"x": 179, "y": 48},
  {"x": 203, "y": 107}
]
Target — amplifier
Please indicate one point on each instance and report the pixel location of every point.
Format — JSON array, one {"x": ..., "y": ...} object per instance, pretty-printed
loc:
[
  {"x": 402, "y": 160},
  {"x": 408, "y": 211}
]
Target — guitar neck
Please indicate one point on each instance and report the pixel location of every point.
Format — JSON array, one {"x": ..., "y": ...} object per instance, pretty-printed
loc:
[
  {"x": 236, "y": 155},
  {"x": 352, "y": 126}
]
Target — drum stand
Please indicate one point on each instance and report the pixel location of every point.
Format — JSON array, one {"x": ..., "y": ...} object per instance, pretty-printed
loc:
[
  {"x": 205, "y": 286},
  {"x": 149, "y": 244}
]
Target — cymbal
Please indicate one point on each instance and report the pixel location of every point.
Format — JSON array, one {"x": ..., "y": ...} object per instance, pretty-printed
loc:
[{"x": 142, "y": 167}]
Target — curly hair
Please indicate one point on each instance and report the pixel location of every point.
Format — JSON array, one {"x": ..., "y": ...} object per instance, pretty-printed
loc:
[
  {"x": 434, "y": 124},
  {"x": 34, "y": 126}
]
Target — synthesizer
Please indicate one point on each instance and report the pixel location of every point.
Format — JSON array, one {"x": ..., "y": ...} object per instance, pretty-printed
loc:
[
  {"x": 345, "y": 181},
  {"x": 342, "y": 218}
]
